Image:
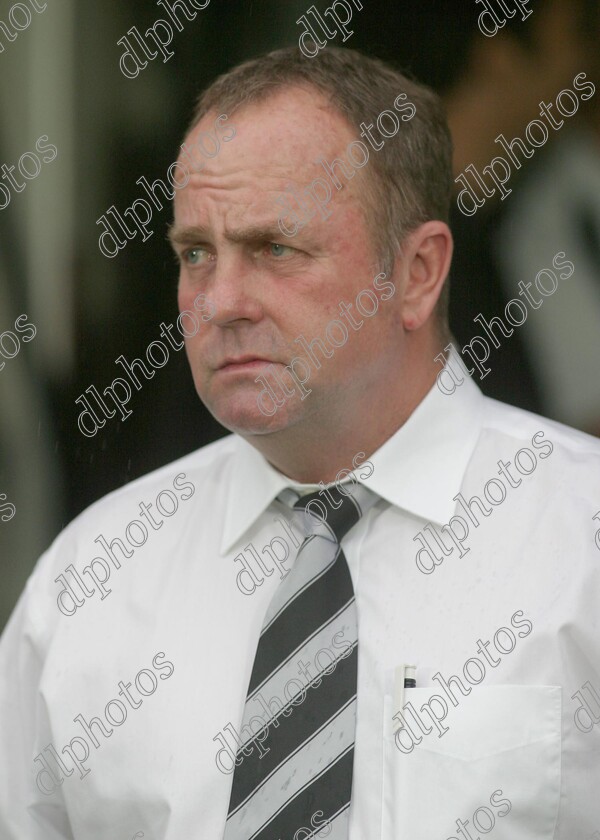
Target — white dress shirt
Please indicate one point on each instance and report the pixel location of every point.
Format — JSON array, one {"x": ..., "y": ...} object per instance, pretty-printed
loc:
[{"x": 515, "y": 757}]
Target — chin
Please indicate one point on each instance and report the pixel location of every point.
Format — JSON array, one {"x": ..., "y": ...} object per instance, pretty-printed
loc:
[{"x": 243, "y": 416}]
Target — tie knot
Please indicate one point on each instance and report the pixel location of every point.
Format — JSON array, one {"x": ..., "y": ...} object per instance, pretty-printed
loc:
[{"x": 337, "y": 509}]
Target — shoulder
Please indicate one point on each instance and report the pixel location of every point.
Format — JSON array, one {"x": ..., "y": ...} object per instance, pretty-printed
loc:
[
  {"x": 136, "y": 510},
  {"x": 203, "y": 469},
  {"x": 118, "y": 526},
  {"x": 569, "y": 482},
  {"x": 506, "y": 420}
]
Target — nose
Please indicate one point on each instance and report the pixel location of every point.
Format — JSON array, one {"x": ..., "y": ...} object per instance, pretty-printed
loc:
[{"x": 235, "y": 293}]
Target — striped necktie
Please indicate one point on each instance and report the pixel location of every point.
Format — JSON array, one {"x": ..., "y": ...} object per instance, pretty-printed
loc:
[{"x": 294, "y": 764}]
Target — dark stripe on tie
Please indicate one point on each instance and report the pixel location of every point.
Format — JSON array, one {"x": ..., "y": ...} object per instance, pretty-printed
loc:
[
  {"x": 327, "y": 793},
  {"x": 309, "y": 611},
  {"x": 322, "y": 703},
  {"x": 300, "y": 590},
  {"x": 341, "y": 520}
]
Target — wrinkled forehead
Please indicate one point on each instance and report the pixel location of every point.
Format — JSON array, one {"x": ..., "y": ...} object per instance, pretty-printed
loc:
[{"x": 277, "y": 146}]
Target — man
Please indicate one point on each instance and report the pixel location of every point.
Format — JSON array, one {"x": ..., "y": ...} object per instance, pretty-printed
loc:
[{"x": 208, "y": 652}]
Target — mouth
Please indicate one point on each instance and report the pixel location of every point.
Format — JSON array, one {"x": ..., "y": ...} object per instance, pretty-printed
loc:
[{"x": 243, "y": 363}]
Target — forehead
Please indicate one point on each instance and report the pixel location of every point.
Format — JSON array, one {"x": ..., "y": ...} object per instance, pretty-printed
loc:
[
  {"x": 293, "y": 125},
  {"x": 277, "y": 146},
  {"x": 278, "y": 142}
]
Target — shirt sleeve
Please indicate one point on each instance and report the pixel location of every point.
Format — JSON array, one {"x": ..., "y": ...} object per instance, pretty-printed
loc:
[{"x": 26, "y": 811}]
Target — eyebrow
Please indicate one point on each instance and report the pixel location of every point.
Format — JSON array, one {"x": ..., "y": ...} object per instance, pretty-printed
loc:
[
  {"x": 185, "y": 235},
  {"x": 252, "y": 233}
]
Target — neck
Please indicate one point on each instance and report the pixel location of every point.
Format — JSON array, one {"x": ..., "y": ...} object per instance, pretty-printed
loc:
[{"x": 341, "y": 438}]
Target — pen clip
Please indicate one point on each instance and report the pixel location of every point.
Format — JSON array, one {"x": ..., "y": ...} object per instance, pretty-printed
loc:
[{"x": 402, "y": 674}]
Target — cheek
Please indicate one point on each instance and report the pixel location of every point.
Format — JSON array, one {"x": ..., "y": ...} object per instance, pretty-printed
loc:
[
  {"x": 185, "y": 296},
  {"x": 195, "y": 315}
]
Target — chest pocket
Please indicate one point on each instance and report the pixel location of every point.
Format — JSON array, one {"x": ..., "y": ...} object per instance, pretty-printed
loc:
[{"x": 496, "y": 769}]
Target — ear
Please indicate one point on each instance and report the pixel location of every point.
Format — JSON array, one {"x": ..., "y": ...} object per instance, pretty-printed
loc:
[{"x": 427, "y": 253}]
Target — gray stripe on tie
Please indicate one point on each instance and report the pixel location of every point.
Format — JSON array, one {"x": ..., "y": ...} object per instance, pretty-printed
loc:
[
  {"x": 339, "y": 826},
  {"x": 314, "y": 558}
]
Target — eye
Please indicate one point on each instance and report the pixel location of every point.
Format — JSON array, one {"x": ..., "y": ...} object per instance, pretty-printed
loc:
[
  {"x": 196, "y": 256},
  {"x": 277, "y": 250}
]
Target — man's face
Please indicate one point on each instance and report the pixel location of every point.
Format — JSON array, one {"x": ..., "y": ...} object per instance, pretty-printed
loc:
[{"x": 267, "y": 289}]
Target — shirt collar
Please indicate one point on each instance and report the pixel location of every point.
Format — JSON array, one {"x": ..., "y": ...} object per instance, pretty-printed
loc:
[
  {"x": 419, "y": 469},
  {"x": 422, "y": 466},
  {"x": 254, "y": 485}
]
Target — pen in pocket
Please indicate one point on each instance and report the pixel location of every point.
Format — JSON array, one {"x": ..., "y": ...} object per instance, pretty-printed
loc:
[{"x": 405, "y": 678}]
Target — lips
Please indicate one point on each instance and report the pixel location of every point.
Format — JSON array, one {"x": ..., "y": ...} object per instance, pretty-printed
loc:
[{"x": 243, "y": 362}]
